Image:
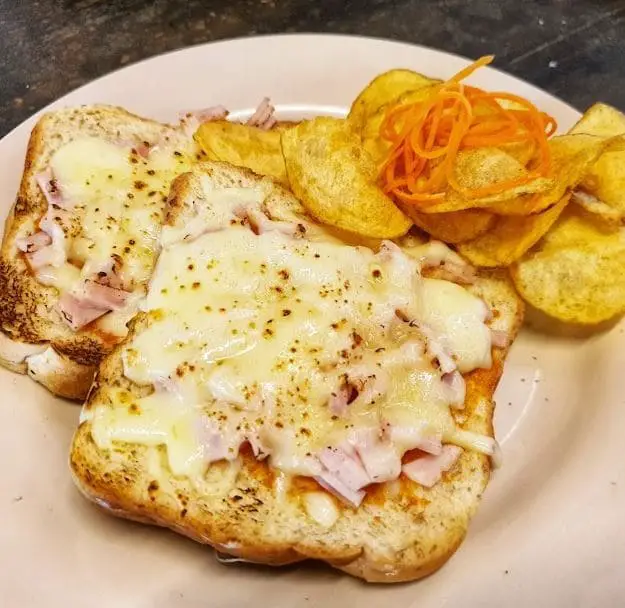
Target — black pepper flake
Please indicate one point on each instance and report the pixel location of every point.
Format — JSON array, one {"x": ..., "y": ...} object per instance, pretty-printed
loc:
[
  {"x": 130, "y": 195},
  {"x": 207, "y": 308},
  {"x": 196, "y": 285},
  {"x": 376, "y": 273},
  {"x": 151, "y": 172},
  {"x": 176, "y": 153},
  {"x": 126, "y": 249},
  {"x": 190, "y": 266},
  {"x": 222, "y": 310},
  {"x": 284, "y": 274},
  {"x": 131, "y": 242},
  {"x": 140, "y": 185},
  {"x": 152, "y": 193},
  {"x": 286, "y": 312}
]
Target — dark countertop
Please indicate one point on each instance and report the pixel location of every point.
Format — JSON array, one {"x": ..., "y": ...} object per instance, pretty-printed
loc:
[{"x": 572, "y": 48}]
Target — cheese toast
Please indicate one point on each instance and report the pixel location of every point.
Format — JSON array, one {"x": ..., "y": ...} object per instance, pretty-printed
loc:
[
  {"x": 253, "y": 474},
  {"x": 79, "y": 243}
]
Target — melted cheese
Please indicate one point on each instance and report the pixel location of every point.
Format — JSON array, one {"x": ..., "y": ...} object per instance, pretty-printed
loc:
[
  {"x": 321, "y": 508},
  {"x": 458, "y": 317},
  {"x": 115, "y": 200},
  {"x": 252, "y": 335}
]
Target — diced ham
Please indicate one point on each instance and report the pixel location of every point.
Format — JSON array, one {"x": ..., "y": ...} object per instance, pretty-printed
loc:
[
  {"x": 402, "y": 265},
  {"x": 462, "y": 274},
  {"x": 49, "y": 187},
  {"x": 377, "y": 454},
  {"x": 144, "y": 149},
  {"x": 335, "y": 486},
  {"x": 260, "y": 223},
  {"x": 339, "y": 400},
  {"x": 192, "y": 119},
  {"x": 499, "y": 338},
  {"x": 346, "y": 466},
  {"x": 211, "y": 439},
  {"x": 52, "y": 254},
  {"x": 263, "y": 116},
  {"x": 436, "y": 349},
  {"x": 370, "y": 387},
  {"x": 457, "y": 388},
  {"x": 447, "y": 264},
  {"x": 40, "y": 258},
  {"x": 206, "y": 114},
  {"x": 427, "y": 470},
  {"x": 34, "y": 242},
  {"x": 165, "y": 383},
  {"x": 415, "y": 438},
  {"x": 77, "y": 313},
  {"x": 409, "y": 353},
  {"x": 106, "y": 272},
  {"x": 98, "y": 295},
  {"x": 259, "y": 449}
]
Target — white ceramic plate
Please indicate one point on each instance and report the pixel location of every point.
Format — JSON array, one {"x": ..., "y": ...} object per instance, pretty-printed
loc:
[{"x": 549, "y": 532}]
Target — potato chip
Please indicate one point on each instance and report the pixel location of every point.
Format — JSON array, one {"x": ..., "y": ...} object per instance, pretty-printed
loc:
[
  {"x": 385, "y": 89},
  {"x": 601, "y": 120},
  {"x": 335, "y": 178},
  {"x": 283, "y": 125},
  {"x": 603, "y": 187},
  {"x": 571, "y": 158},
  {"x": 602, "y": 211},
  {"x": 606, "y": 179},
  {"x": 452, "y": 227},
  {"x": 244, "y": 146},
  {"x": 483, "y": 167},
  {"x": 582, "y": 283},
  {"x": 511, "y": 237},
  {"x": 575, "y": 226}
]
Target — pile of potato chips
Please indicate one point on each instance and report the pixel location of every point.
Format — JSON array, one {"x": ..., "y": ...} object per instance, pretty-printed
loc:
[{"x": 562, "y": 237}]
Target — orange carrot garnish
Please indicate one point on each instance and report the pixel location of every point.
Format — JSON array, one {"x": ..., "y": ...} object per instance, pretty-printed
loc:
[{"x": 427, "y": 136}]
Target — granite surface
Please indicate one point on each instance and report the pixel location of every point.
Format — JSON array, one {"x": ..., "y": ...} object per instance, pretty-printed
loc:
[{"x": 572, "y": 48}]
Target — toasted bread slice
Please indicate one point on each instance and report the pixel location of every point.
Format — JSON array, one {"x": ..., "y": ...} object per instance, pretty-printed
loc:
[
  {"x": 402, "y": 531},
  {"x": 34, "y": 338}
]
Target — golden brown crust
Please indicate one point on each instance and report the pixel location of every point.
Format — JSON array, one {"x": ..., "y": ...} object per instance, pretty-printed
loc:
[
  {"x": 401, "y": 532},
  {"x": 27, "y": 308}
]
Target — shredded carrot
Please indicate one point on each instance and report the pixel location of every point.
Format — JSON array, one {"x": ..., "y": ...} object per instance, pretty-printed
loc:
[{"x": 427, "y": 136}]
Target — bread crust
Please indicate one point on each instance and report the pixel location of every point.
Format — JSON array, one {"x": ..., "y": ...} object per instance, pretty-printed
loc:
[
  {"x": 401, "y": 532},
  {"x": 27, "y": 308}
]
